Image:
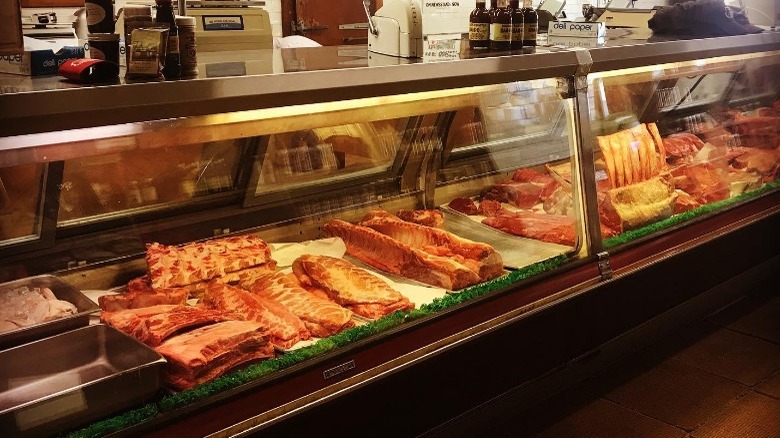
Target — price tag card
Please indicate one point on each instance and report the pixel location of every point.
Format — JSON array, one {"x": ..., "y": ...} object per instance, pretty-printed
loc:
[{"x": 441, "y": 47}]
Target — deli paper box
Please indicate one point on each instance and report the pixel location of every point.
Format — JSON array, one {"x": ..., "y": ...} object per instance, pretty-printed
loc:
[
  {"x": 40, "y": 57},
  {"x": 576, "y": 29}
]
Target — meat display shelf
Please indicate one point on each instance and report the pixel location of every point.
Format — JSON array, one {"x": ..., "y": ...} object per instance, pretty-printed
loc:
[{"x": 185, "y": 161}]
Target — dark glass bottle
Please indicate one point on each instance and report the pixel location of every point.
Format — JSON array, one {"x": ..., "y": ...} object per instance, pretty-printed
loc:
[
  {"x": 479, "y": 27},
  {"x": 517, "y": 24},
  {"x": 100, "y": 16},
  {"x": 500, "y": 26},
  {"x": 165, "y": 16},
  {"x": 530, "y": 26}
]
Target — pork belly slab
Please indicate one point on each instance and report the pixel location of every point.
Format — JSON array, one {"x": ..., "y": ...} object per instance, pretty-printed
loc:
[
  {"x": 390, "y": 255},
  {"x": 321, "y": 316},
  {"x": 207, "y": 352},
  {"x": 479, "y": 257},
  {"x": 350, "y": 286},
  {"x": 284, "y": 328},
  {"x": 152, "y": 325}
]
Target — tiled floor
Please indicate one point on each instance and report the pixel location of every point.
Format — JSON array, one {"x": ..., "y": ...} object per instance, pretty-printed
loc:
[{"x": 715, "y": 378}]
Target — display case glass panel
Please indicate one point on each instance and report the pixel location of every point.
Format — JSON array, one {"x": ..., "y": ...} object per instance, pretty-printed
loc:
[
  {"x": 676, "y": 141},
  {"x": 22, "y": 194}
]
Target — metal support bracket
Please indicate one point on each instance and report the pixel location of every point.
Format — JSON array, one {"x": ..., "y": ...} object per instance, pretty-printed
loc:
[{"x": 605, "y": 268}]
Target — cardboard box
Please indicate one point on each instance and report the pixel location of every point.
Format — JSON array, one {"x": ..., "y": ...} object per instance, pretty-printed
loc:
[
  {"x": 576, "y": 29},
  {"x": 38, "y": 62}
]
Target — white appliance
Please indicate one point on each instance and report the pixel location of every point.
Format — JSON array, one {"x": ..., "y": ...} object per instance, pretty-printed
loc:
[
  {"x": 762, "y": 12},
  {"x": 396, "y": 29}
]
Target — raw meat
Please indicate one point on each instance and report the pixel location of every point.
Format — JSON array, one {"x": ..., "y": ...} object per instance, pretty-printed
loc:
[
  {"x": 520, "y": 194},
  {"x": 153, "y": 329},
  {"x": 173, "y": 266},
  {"x": 352, "y": 287},
  {"x": 390, "y": 255},
  {"x": 704, "y": 181},
  {"x": 546, "y": 227},
  {"x": 284, "y": 328},
  {"x": 681, "y": 147},
  {"x": 207, "y": 352},
  {"x": 429, "y": 218},
  {"x": 479, "y": 257},
  {"x": 321, "y": 316},
  {"x": 489, "y": 208},
  {"x": 463, "y": 205},
  {"x": 138, "y": 297},
  {"x": 23, "y": 306},
  {"x": 637, "y": 204}
]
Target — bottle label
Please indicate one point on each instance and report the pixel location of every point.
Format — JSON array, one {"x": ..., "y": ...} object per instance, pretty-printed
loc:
[
  {"x": 500, "y": 31},
  {"x": 529, "y": 34},
  {"x": 517, "y": 32},
  {"x": 479, "y": 31},
  {"x": 95, "y": 13}
]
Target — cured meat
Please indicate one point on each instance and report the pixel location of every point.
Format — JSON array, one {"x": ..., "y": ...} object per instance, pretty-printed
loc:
[
  {"x": 153, "y": 329},
  {"x": 207, "y": 352},
  {"x": 705, "y": 182},
  {"x": 429, "y": 218},
  {"x": 172, "y": 266},
  {"x": 350, "y": 286},
  {"x": 463, "y": 205},
  {"x": 321, "y": 316},
  {"x": 23, "y": 306},
  {"x": 479, "y": 257},
  {"x": 631, "y": 206},
  {"x": 685, "y": 202},
  {"x": 390, "y": 255},
  {"x": 284, "y": 328}
]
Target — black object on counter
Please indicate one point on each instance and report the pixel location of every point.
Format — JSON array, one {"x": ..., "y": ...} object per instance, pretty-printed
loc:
[
  {"x": 104, "y": 46},
  {"x": 165, "y": 16},
  {"x": 100, "y": 16},
  {"x": 530, "y": 26},
  {"x": 701, "y": 18},
  {"x": 517, "y": 24}
]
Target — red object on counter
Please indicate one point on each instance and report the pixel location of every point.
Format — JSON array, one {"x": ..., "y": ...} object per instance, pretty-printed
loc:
[{"x": 89, "y": 70}]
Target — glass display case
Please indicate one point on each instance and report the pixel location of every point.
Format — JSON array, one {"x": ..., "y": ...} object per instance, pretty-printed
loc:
[{"x": 550, "y": 164}]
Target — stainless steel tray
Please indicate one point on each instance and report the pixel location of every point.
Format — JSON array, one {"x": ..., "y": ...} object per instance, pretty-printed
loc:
[
  {"x": 68, "y": 380},
  {"x": 63, "y": 291}
]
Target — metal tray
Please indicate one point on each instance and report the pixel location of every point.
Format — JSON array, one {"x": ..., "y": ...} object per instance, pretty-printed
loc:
[
  {"x": 63, "y": 291},
  {"x": 68, "y": 380}
]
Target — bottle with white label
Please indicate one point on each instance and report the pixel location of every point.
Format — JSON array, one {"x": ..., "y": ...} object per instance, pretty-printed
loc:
[{"x": 500, "y": 26}]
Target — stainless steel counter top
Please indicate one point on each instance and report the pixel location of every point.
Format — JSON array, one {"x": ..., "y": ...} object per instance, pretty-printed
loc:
[{"x": 238, "y": 81}]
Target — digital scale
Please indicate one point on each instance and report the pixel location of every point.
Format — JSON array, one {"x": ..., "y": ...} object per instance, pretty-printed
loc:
[{"x": 230, "y": 25}]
